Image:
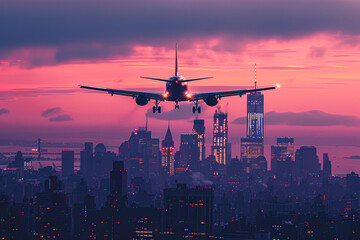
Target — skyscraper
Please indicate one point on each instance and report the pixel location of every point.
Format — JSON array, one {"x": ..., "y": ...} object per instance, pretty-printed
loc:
[
  {"x": 199, "y": 130},
  {"x": 168, "y": 153},
  {"x": 220, "y": 137},
  {"x": 67, "y": 163},
  {"x": 307, "y": 161},
  {"x": 189, "y": 152},
  {"x": 326, "y": 165},
  {"x": 255, "y": 115},
  {"x": 86, "y": 159},
  {"x": 188, "y": 212},
  {"x": 289, "y": 144}
]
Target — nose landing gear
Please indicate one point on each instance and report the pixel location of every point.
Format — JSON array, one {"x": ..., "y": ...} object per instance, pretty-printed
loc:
[
  {"x": 156, "y": 108},
  {"x": 196, "y": 108}
]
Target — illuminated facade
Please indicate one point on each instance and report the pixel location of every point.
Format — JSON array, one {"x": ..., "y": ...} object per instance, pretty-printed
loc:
[
  {"x": 168, "y": 153},
  {"x": 199, "y": 130},
  {"x": 251, "y": 147},
  {"x": 255, "y": 115},
  {"x": 288, "y": 143},
  {"x": 220, "y": 137}
]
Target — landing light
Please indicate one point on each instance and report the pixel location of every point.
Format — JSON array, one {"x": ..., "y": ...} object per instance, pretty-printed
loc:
[{"x": 278, "y": 85}]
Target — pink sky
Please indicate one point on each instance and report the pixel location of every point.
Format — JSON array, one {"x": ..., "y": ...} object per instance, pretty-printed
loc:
[{"x": 317, "y": 65}]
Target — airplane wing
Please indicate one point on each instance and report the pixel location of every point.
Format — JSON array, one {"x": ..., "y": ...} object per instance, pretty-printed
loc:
[
  {"x": 201, "y": 96},
  {"x": 150, "y": 95}
]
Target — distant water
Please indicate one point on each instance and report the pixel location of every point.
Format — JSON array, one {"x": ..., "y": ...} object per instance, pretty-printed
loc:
[{"x": 337, "y": 154}]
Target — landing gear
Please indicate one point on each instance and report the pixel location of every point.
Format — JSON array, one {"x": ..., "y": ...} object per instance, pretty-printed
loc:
[
  {"x": 177, "y": 105},
  {"x": 196, "y": 108},
  {"x": 156, "y": 108}
]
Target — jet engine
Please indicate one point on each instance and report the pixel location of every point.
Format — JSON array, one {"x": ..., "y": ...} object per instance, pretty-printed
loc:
[
  {"x": 211, "y": 101},
  {"x": 141, "y": 100}
]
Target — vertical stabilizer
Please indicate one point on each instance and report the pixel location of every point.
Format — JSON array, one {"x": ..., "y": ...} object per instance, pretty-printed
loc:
[{"x": 176, "y": 60}]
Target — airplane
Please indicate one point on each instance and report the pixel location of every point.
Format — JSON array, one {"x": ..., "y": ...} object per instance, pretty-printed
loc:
[{"x": 177, "y": 91}]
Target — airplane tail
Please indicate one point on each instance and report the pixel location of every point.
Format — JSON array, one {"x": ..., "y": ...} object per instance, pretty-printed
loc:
[{"x": 176, "y": 60}]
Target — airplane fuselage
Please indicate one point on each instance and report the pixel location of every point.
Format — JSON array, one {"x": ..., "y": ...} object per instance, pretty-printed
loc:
[{"x": 176, "y": 90}]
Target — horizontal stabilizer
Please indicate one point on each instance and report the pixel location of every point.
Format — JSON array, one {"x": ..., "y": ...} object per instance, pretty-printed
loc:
[
  {"x": 196, "y": 79},
  {"x": 157, "y": 79}
]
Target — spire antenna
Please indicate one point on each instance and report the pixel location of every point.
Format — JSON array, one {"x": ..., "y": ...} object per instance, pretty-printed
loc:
[{"x": 255, "y": 75}]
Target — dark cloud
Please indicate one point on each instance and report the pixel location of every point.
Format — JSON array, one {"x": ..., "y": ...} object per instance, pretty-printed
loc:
[
  {"x": 309, "y": 118},
  {"x": 89, "y": 29},
  {"x": 352, "y": 157},
  {"x": 52, "y": 112},
  {"x": 61, "y": 118},
  {"x": 317, "y": 52},
  {"x": 4, "y": 111},
  {"x": 183, "y": 113}
]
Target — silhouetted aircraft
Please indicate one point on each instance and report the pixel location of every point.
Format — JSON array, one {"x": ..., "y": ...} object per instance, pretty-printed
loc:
[{"x": 177, "y": 91}]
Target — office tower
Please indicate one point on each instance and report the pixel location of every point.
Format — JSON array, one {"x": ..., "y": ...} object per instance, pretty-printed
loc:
[
  {"x": 278, "y": 154},
  {"x": 17, "y": 164},
  {"x": 307, "y": 161},
  {"x": 144, "y": 223},
  {"x": 140, "y": 152},
  {"x": 103, "y": 160},
  {"x": 352, "y": 182},
  {"x": 85, "y": 219},
  {"x": 289, "y": 144},
  {"x": 326, "y": 166},
  {"x": 155, "y": 160},
  {"x": 116, "y": 203},
  {"x": 188, "y": 212},
  {"x": 53, "y": 219},
  {"x": 118, "y": 176},
  {"x": 255, "y": 115},
  {"x": 86, "y": 159},
  {"x": 189, "y": 152},
  {"x": 168, "y": 153},
  {"x": 67, "y": 163},
  {"x": 220, "y": 137},
  {"x": 199, "y": 130},
  {"x": 251, "y": 148}
]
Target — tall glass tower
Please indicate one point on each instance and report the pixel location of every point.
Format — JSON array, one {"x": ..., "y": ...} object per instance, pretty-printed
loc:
[
  {"x": 255, "y": 115},
  {"x": 199, "y": 130},
  {"x": 220, "y": 137}
]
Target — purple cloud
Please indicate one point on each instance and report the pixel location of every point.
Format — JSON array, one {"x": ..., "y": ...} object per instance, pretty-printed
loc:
[
  {"x": 52, "y": 111},
  {"x": 89, "y": 30},
  {"x": 352, "y": 157},
  {"x": 317, "y": 52},
  {"x": 61, "y": 118},
  {"x": 308, "y": 118},
  {"x": 4, "y": 111}
]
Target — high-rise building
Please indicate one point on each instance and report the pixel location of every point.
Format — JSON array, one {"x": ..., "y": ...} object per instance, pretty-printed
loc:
[
  {"x": 307, "y": 161},
  {"x": 199, "y": 130},
  {"x": 189, "y": 152},
  {"x": 140, "y": 145},
  {"x": 220, "y": 137},
  {"x": 155, "y": 160},
  {"x": 326, "y": 165},
  {"x": 251, "y": 148},
  {"x": 289, "y": 144},
  {"x": 52, "y": 212},
  {"x": 86, "y": 159},
  {"x": 67, "y": 162},
  {"x": 188, "y": 212},
  {"x": 255, "y": 115},
  {"x": 168, "y": 153},
  {"x": 118, "y": 185}
]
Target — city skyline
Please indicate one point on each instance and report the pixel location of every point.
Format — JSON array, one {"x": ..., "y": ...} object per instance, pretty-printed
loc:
[{"x": 316, "y": 67}]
